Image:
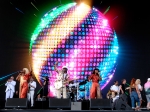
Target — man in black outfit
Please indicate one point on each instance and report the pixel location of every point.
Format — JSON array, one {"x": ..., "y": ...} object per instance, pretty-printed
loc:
[
  {"x": 16, "y": 95},
  {"x": 121, "y": 103},
  {"x": 122, "y": 86}
]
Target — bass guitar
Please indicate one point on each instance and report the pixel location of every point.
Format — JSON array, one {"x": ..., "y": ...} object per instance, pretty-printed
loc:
[{"x": 59, "y": 83}]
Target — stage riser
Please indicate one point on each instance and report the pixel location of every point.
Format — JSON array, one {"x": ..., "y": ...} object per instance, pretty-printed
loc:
[
  {"x": 16, "y": 103},
  {"x": 66, "y": 104},
  {"x": 63, "y": 111},
  {"x": 84, "y": 105}
]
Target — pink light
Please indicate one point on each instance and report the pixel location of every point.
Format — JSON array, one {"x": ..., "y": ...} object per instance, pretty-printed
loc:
[
  {"x": 105, "y": 22},
  {"x": 110, "y": 76}
]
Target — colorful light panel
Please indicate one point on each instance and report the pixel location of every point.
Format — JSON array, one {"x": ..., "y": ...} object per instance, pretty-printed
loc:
[{"x": 77, "y": 36}]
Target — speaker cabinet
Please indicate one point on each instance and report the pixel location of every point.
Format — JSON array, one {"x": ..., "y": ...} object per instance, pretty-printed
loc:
[
  {"x": 41, "y": 104},
  {"x": 76, "y": 105},
  {"x": 2, "y": 103},
  {"x": 100, "y": 103},
  {"x": 60, "y": 103},
  {"x": 16, "y": 103}
]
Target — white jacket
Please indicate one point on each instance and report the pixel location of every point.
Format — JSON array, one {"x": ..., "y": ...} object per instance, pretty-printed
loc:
[{"x": 10, "y": 86}]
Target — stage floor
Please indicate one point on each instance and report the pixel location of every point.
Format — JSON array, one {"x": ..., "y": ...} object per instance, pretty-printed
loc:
[{"x": 49, "y": 110}]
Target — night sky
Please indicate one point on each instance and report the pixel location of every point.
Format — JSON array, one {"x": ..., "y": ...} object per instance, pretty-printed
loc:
[{"x": 129, "y": 18}]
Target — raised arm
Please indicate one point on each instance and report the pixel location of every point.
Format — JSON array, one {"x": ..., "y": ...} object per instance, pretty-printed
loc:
[
  {"x": 90, "y": 77},
  {"x": 55, "y": 67},
  {"x": 7, "y": 82},
  {"x": 18, "y": 77}
]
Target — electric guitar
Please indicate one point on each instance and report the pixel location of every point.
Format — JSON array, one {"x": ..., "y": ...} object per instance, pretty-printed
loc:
[{"x": 59, "y": 83}]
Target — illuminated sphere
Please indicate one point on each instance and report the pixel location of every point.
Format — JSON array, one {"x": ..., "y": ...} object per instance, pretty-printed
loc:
[{"x": 78, "y": 37}]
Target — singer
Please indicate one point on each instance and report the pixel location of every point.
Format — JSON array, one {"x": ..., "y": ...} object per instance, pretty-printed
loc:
[
  {"x": 32, "y": 86},
  {"x": 23, "y": 77},
  {"x": 10, "y": 89},
  {"x": 95, "y": 91}
]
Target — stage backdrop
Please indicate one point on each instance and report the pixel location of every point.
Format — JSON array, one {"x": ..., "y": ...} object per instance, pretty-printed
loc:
[{"x": 77, "y": 36}]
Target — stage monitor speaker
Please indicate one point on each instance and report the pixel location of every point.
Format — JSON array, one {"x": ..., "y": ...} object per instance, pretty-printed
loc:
[
  {"x": 2, "y": 103},
  {"x": 100, "y": 103},
  {"x": 76, "y": 105},
  {"x": 16, "y": 103},
  {"x": 120, "y": 104},
  {"x": 60, "y": 103}
]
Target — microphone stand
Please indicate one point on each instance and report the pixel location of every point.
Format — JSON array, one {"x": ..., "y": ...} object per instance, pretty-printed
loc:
[
  {"x": 50, "y": 83},
  {"x": 43, "y": 94},
  {"x": 62, "y": 85}
]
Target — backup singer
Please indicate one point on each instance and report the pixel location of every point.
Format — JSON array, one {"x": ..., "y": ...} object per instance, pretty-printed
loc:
[
  {"x": 61, "y": 80},
  {"x": 10, "y": 89},
  {"x": 140, "y": 88},
  {"x": 115, "y": 91},
  {"x": 43, "y": 94},
  {"x": 122, "y": 86},
  {"x": 32, "y": 86},
  {"x": 134, "y": 94},
  {"x": 95, "y": 91},
  {"x": 23, "y": 77},
  {"x": 147, "y": 92},
  {"x": 45, "y": 87}
]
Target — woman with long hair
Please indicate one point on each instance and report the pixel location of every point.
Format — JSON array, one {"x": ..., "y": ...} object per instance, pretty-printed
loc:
[
  {"x": 23, "y": 77},
  {"x": 140, "y": 88},
  {"x": 95, "y": 91},
  {"x": 134, "y": 94}
]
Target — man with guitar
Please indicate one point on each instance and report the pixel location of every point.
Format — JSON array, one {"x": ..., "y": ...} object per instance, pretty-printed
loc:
[{"x": 61, "y": 81}]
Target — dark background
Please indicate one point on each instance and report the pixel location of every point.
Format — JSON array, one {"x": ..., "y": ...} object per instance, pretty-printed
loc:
[{"x": 131, "y": 25}]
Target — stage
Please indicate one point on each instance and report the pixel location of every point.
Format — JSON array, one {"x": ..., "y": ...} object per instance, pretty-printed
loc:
[
  {"x": 64, "y": 105},
  {"x": 49, "y": 110}
]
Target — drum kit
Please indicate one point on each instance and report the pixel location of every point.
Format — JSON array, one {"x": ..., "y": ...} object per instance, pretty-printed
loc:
[
  {"x": 78, "y": 90},
  {"x": 72, "y": 90}
]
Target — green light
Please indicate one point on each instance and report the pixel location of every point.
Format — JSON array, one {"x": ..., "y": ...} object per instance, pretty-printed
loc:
[{"x": 106, "y": 10}]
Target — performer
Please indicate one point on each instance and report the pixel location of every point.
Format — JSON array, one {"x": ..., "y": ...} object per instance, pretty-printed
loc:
[
  {"x": 147, "y": 92},
  {"x": 140, "y": 88},
  {"x": 122, "y": 86},
  {"x": 32, "y": 86},
  {"x": 10, "y": 89},
  {"x": 134, "y": 94},
  {"x": 45, "y": 87},
  {"x": 61, "y": 81},
  {"x": 115, "y": 91},
  {"x": 108, "y": 95},
  {"x": 23, "y": 77},
  {"x": 16, "y": 95},
  {"x": 95, "y": 91}
]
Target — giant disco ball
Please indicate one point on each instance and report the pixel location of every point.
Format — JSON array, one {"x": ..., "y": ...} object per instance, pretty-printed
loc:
[{"x": 78, "y": 37}]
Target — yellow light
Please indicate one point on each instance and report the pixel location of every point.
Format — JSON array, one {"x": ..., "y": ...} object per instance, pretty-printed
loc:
[{"x": 80, "y": 12}]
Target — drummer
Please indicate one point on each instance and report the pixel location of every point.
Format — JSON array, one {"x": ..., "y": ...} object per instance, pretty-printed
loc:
[
  {"x": 73, "y": 85},
  {"x": 70, "y": 85}
]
